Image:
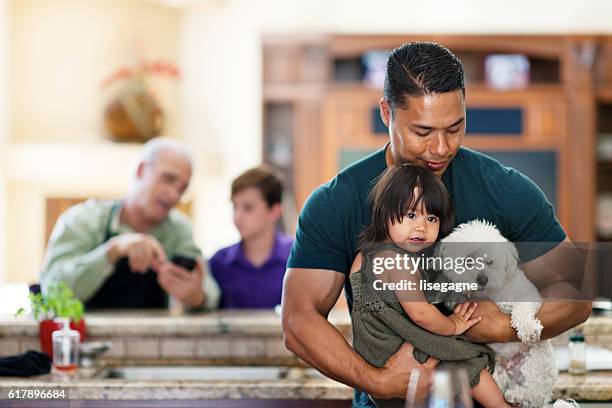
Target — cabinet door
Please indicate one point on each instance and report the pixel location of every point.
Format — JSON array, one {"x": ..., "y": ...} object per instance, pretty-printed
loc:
[
  {"x": 533, "y": 118},
  {"x": 352, "y": 127}
]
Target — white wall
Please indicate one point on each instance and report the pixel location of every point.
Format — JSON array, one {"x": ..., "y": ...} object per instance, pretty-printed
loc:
[
  {"x": 61, "y": 50},
  {"x": 3, "y": 127},
  {"x": 4, "y": 62},
  {"x": 32, "y": 174},
  {"x": 222, "y": 97},
  {"x": 410, "y": 16}
]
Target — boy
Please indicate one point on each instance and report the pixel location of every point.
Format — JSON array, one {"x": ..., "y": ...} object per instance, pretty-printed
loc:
[{"x": 250, "y": 273}]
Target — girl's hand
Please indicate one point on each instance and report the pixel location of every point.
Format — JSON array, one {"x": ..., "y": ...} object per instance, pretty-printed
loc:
[{"x": 462, "y": 317}]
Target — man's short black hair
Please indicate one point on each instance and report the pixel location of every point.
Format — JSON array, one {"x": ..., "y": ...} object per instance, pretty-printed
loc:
[{"x": 421, "y": 68}]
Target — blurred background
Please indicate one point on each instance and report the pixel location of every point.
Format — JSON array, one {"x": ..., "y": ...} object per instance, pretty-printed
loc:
[{"x": 294, "y": 84}]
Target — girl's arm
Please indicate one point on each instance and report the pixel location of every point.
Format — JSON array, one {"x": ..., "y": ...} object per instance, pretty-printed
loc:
[
  {"x": 422, "y": 313},
  {"x": 426, "y": 315}
]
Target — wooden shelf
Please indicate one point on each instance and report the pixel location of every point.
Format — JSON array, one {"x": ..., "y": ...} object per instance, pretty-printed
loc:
[
  {"x": 604, "y": 94},
  {"x": 605, "y": 165},
  {"x": 291, "y": 92},
  {"x": 543, "y": 46},
  {"x": 558, "y": 109},
  {"x": 539, "y": 88},
  {"x": 471, "y": 87}
]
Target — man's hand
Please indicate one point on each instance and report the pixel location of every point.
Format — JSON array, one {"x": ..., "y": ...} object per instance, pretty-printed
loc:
[
  {"x": 182, "y": 284},
  {"x": 143, "y": 251},
  {"x": 494, "y": 326},
  {"x": 393, "y": 377}
]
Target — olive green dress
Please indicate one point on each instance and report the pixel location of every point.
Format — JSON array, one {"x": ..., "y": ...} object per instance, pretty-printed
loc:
[{"x": 381, "y": 326}]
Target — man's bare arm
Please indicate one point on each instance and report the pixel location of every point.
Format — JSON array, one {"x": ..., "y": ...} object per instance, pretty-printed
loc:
[
  {"x": 556, "y": 316},
  {"x": 308, "y": 296},
  {"x": 564, "y": 279}
]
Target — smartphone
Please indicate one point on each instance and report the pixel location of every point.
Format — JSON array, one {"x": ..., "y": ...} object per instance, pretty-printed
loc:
[{"x": 184, "y": 262}]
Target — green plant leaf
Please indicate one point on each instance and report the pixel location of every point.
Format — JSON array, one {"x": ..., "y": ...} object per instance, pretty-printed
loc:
[{"x": 59, "y": 300}]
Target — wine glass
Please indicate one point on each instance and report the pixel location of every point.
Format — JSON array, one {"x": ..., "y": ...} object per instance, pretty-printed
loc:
[{"x": 450, "y": 389}]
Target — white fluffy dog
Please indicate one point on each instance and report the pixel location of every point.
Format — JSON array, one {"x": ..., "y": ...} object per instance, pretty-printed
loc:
[{"x": 524, "y": 371}]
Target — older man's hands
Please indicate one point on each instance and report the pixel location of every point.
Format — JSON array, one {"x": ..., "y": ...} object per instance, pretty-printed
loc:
[
  {"x": 143, "y": 251},
  {"x": 184, "y": 285}
]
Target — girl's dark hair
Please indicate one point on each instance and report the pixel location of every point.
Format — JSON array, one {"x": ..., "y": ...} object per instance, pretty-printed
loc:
[{"x": 393, "y": 196}]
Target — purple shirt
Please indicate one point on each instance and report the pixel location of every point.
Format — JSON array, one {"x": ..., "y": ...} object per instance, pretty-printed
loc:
[{"x": 246, "y": 286}]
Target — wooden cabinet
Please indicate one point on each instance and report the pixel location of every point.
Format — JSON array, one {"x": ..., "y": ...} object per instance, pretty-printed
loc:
[{"x": 319, "y": 115}]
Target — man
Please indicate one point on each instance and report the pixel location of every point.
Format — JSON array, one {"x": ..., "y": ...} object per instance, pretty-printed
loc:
[
  {"x": 424, "y": 108},
  {"x": 250, "y": 272},
  {"x": 118, "y": 254}
]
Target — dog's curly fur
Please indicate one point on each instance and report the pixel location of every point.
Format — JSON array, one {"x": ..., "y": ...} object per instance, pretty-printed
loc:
[{"x": 524, "y": 371}]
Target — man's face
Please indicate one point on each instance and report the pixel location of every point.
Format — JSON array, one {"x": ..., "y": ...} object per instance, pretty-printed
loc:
[
  {"x": 428, "y": 131},
  {"x": 162, "y": 184},
  {"x": 252, "y": 215}
]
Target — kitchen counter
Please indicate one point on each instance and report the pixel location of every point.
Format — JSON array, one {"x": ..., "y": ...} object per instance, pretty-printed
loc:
[
  {"x": 167, "y": 322},
  {"x": 594, "y": 386},
  {"x": 161, "y": 336},
  {"x": 80, "y": 387},
  {"x": 225, "y": 338},
  {"x": 597, "y": 329}
]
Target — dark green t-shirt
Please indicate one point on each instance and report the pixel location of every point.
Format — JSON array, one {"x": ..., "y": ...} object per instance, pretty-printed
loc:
[{"x": 479, "y": 186}]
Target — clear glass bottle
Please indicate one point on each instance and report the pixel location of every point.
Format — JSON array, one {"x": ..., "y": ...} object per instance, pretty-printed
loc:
[
  {"x": 450, "y": 389},
  {"x": 577, "y": 353},
  {"x": 65, "y": 347}
]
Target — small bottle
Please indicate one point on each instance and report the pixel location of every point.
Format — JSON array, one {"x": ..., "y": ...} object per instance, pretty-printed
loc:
[
  {"x": 577, "y": 353},
  {"x": 65, "y": 347}
]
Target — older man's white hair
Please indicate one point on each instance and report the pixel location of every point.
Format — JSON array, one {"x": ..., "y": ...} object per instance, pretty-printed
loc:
[{"x": 154, "y": 147}]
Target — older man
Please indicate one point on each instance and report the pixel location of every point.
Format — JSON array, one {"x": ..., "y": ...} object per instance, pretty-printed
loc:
[{"x": 119, "y": 254}]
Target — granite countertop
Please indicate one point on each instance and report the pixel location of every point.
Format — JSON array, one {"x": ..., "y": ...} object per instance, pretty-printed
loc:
[
  {"x": 165, "y": 323},
  {"x": 85, "y": 385},
  {"x": 80, "y": 387},
  {"x": 595, "y": 386},
  {"x": 240, "y": 322}
]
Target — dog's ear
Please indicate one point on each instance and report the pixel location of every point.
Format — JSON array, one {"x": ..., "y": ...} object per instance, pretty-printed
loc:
[{"x": 511, "y": 256}]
